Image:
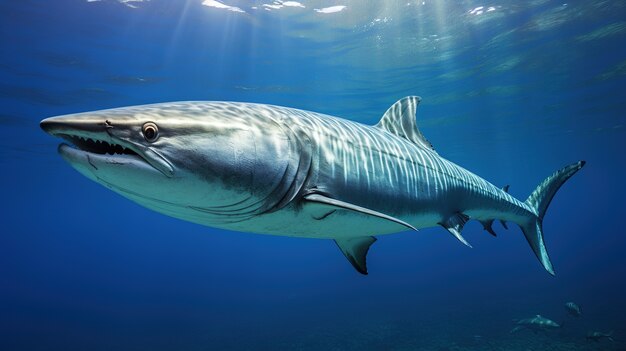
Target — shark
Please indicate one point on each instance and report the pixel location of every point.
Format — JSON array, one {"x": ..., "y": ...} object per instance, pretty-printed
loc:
[
  {"x": 535, "y": 324},
  {"x": 283, "y": 171},
  {"x": 573, "y": 309},
  {"x": 597, "y": 336}
]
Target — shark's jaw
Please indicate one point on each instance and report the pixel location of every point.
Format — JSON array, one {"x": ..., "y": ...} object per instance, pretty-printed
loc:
[
  {"x": 91, "y": 142},
  {"x": 96, "y": 146},
  {"x": 78, "y": 156},
  {"x": 110, "y": 153}
]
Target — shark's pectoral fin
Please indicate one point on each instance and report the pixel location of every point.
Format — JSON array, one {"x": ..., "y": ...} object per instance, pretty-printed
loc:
[
  {"x": 338, "y": 204},
  {"x": 454, "y": 224},
  {"x": 355, "y": 250}
]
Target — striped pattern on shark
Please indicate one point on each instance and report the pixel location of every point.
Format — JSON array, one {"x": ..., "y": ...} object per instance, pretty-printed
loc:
[{"x": 282, "y": 171}]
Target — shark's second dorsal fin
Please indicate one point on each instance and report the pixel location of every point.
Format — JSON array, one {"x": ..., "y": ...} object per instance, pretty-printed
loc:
[{"x": 400, "y": 120}]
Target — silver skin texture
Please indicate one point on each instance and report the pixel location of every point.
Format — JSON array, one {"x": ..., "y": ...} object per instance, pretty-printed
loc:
[
  {"x": 573, "y": 309},
  {"x": 536, "y": 323},
  {"x": 598, "y": 336},
  {"x": 281, "y": 171}
]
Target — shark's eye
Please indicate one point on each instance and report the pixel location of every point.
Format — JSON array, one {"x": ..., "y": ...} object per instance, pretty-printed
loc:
[{"x": 150, "y": 132}]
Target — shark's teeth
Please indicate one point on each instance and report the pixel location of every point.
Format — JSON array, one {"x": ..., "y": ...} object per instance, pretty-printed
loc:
[{"x": 98, "y": 146}]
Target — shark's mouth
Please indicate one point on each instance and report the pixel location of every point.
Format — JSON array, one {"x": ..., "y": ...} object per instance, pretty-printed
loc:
[
  {"x": 112, "y": 153},
  {"x": 96, "y": 146},
  {"x": 93, "y": 141}
]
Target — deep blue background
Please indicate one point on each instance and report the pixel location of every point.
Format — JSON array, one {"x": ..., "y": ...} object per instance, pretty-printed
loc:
[{"x": 512, "y": 94}]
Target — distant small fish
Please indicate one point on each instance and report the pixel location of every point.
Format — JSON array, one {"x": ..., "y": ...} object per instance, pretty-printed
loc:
[
  {"x": 597, "y": 336},
  {"x": 132, "y": 80},
  {"x": 535, "y": 324},
  {"x": 573, "y": 309},
  {"x": 62, "y": 60}
]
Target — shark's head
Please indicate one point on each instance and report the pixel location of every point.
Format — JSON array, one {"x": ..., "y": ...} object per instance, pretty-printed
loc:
[{"x": 210, "y": 163}]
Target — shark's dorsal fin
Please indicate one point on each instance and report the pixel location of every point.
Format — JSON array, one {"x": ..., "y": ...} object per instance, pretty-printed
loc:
[
  {"x": 338, "y": 204},
  {"x": 355, "y": 250},
  {"x": 400, "y": 120}
]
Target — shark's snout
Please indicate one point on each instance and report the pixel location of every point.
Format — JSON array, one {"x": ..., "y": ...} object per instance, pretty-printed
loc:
[
  {"x": 56, "y": 125},
  {"x": 47, "y": 125},
  {"x": 86, "y": 134}
]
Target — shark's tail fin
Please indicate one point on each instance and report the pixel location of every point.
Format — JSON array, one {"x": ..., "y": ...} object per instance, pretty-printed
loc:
[{"x": 539, "y": 201}]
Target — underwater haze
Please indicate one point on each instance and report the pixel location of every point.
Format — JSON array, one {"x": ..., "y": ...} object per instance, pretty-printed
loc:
[{"x": 511, "y": 90}]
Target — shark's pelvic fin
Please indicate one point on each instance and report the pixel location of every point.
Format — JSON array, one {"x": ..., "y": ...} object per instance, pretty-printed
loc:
[
  {"x": 454, "y": 224},
  {"x": 488, "y": 224},
  {"x": 338, "y": 204},
  {"x": 355, "y": 250},
  {"x": 400, "y": 120}
]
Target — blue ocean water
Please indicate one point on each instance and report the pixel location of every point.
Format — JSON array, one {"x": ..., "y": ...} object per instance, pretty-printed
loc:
[{"x": 511, "y": 91}]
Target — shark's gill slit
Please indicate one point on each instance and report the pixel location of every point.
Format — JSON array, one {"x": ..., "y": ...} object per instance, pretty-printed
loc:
[{"x": 98, "y": 146}]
